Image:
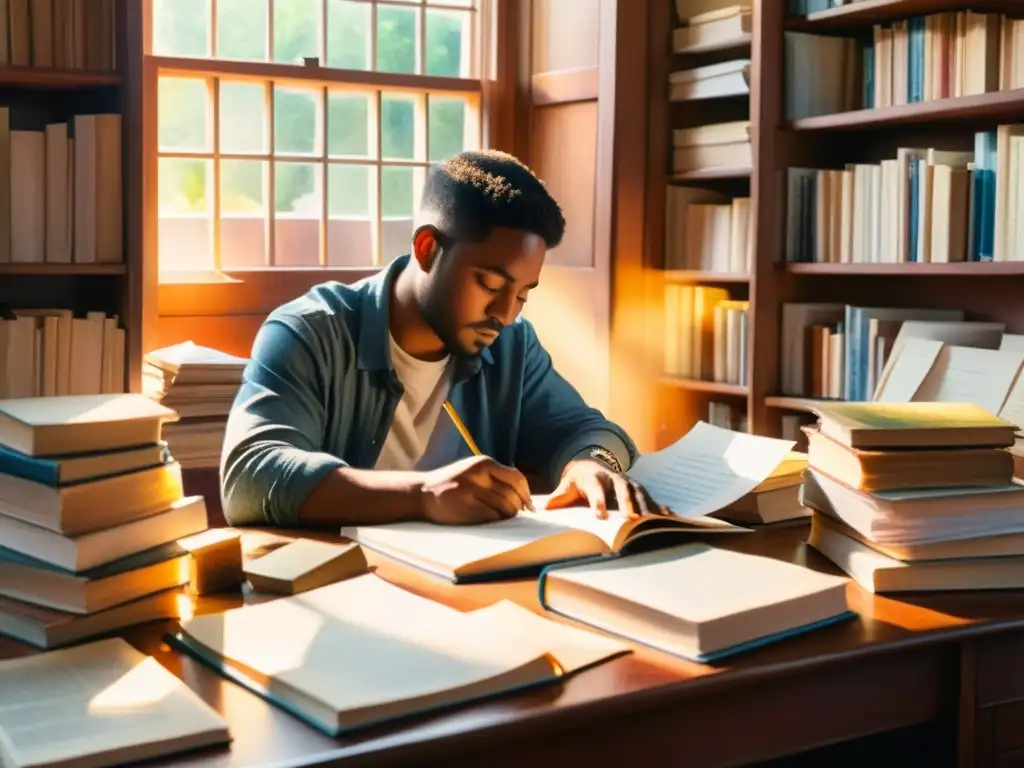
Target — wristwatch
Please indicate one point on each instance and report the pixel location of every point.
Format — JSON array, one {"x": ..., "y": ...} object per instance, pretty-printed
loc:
[{"x": 601, "y": 454}]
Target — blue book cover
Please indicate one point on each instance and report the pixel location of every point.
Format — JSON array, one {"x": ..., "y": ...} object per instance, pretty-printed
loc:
[{"x": 47, "y": 470}]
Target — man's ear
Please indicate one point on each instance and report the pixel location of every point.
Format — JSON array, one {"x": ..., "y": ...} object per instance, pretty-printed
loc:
[{"x": 425, "y": 247}]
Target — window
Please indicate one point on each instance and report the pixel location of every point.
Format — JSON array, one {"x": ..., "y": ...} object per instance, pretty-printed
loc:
[{"x": 298, "y": 133}]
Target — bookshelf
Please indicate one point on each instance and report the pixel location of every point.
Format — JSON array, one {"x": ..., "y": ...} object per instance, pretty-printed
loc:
[
  {"x": 52, "y": 74},
  {"x": 825, "y": 139}
]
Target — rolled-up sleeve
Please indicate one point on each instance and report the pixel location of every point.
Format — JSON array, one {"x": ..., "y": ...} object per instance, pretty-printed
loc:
[
  {"x": 271, "y": 459},
  {"x": 556, "y": 425}
]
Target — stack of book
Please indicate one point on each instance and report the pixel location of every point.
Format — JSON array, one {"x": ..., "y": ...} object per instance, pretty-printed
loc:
[
  {"x": 200, "y": 385},
  {"x": 916, "y": 496},
  {"x": 91, "y": 509}
]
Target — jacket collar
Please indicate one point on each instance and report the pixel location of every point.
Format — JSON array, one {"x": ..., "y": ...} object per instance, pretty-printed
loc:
[{"x": 373, "y": 347}]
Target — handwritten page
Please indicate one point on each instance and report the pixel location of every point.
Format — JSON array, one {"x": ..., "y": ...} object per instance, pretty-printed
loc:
[
  {"x": 909, "y": 365},
  {"x": 970, "y": 375},
  {"x": 708, "y": 469}
]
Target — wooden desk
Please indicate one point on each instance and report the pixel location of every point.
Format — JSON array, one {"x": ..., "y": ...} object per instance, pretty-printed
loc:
[{"x": 953, "y": 657}]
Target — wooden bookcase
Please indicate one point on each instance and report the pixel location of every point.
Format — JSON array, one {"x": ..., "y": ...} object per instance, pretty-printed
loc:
[
  {"x": 984, "y": 290},
  {"x": 57, "y": 94}
]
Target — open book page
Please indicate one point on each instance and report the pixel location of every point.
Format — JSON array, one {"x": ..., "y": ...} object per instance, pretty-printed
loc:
[
  {"x": 452, "y": 546},
  {"x": 98, "y": 703},
  {"x": 708, "y": 469},
  {"x": 573, "y": 648},
  {"x": 361, "y": 643},
  {"x": 970, "y": 375},
  {"x": 1013, "y": 407},
  {"x": 907, "y": 368}
]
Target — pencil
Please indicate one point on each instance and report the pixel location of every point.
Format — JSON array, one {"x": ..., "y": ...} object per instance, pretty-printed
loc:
[{"x": 450, "y": 410}]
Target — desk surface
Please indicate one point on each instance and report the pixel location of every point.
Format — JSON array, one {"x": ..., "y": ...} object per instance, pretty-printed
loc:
[{"x": 646, "y": 681}]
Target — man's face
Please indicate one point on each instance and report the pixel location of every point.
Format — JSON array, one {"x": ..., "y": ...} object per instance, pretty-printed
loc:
[{"x": 476, "y": 289}]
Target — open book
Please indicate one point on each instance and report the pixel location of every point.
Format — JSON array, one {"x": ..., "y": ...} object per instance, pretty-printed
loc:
[
  {"x": 704, "y": 472},
  {"x": 362, "y": 652},
  {"x": 100, "y": 703}
]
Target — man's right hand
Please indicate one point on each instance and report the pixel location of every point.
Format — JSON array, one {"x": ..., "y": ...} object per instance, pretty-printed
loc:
[{"x": 474, "y": 490}]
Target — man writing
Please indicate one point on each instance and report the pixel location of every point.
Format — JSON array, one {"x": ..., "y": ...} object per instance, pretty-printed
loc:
[{"x": 340, "y": 417}]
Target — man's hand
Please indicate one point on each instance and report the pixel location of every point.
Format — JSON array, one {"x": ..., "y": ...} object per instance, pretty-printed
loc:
[
  {"x": 474, "y": 490},
  {"x": 592, "y": 483}
]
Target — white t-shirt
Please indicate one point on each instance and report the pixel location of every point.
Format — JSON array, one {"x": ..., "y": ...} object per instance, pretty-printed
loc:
[{"x": 418, "y": 436}]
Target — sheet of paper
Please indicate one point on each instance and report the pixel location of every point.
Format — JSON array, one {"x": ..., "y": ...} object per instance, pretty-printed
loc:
[
  {"x": 908, "y": 367},
  {"x": 1013, "y": 407},
  {"x": 1012, "y": 342},
  {"x": 708, "y": 468},
  {"x": 970, "y": 375}
]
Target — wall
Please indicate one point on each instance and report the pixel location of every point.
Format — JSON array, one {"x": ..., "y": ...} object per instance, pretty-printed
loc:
[{"x": 571, "y": 307}]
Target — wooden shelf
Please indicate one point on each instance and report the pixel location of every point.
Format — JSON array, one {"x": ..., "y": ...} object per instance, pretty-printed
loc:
[
  {"x": 710, "y": 174},
  {"x": 737, "y": 43},
  {"x": 867, "y": 12},
  {"x": 699, "y": 276},
  {"x": 45, "y": 77},
  {"x": 1001, "y": 106},
  {"x": 62, "y": 269},
  {"x": 711, "y": 387},
  {"x": 787, "y": 403},
  {"x": 911, "y": 269}
]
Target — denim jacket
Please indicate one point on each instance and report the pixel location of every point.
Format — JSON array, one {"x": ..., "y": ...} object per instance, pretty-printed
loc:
[{"x": 320, "y": 392}]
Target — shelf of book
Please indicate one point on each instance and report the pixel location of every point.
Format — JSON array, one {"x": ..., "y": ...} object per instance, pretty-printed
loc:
[
  {"x": 68, "y": 102},
  {"x": 709, "y": 387},
  {"x": 63, "y": 270},
  {"x": 997, "y": 106},
  {"x": 953, "y": 269},
  {"x": 861, "y": 13},
  {"x": 55, "y": 79}
]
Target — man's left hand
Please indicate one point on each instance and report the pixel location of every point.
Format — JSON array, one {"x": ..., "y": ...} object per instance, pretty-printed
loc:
[{"x": 591, "y": 483}]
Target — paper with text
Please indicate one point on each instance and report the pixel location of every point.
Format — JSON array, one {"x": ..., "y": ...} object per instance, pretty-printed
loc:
[
  {"x": 708, "y": 469},
  {"x": 970, "y": 375},
  {"x": 909, "y": 366}
]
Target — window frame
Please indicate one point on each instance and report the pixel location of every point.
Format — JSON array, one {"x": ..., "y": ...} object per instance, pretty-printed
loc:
[{"x": 258, "y": 290}]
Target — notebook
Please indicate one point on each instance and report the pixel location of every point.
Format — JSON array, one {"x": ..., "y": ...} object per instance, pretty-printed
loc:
[
  {"x": 705, "y": 471},
  {"x": 696, "y": 601},
  {"x": 362, "y": 652},
  {"x": 101, "y": 703}
]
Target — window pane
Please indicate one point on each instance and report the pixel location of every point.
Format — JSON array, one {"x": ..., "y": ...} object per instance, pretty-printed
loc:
[
  {"x": 298, "y": 203},
  {"x": 184, "y": 213},
  {"x": 398, "y": 127},
  {"x": 242, "y": 29},
  {"x": 349, "y": 128},
  {"x": 463, "y": 3},
  {"x": 447, "y": 44},
  {"x": 296, "y": 30},
  {"x": 400, "y": 188},
  {"x": 351, "y": 198},
  {"x": 183, "y": 115},
  {"x": 448, "y": 128},
  {"x": 243, "y": 213},
  {"x": 397, "y": 38},
  {"x": 348, "y": 35},
  {"x": 181, "y": 27},
  {"x": 296, "y": 121},
  {"x": 243, "y": 118}
]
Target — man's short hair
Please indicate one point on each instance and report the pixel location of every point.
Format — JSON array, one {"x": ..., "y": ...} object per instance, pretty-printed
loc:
[{"x": 468, "y": 195}]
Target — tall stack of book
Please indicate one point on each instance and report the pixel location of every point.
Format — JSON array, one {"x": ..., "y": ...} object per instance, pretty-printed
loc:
[
  {"x": 91, "y": 509},
  {"x": 916, "y": 496},
  {"x": 200, "y": 384}
]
